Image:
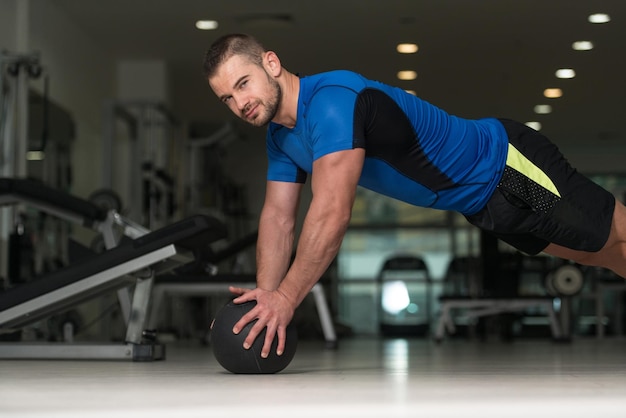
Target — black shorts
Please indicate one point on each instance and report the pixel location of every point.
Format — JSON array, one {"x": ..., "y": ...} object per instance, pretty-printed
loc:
[{"x": 541, "y": 199}]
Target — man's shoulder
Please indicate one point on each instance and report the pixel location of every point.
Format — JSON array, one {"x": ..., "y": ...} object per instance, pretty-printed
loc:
[{"x": 334, "y": 80}]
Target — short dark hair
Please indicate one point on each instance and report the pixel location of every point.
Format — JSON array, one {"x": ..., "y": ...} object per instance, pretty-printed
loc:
[{"x": 229, "y": 45}]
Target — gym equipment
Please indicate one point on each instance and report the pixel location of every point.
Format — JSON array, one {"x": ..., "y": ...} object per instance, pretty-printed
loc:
[
  {"x": 63, "y": 205},
  {"x": 566, "y": 280},
  {"x": 152, "y": 130},
  {"x": 206, "y": 178},
  {"x": 135, "y": 261},
  {"x": 134, "y": 256},
  {"x": 14, "y": 109},
  {"x": 203, "y": 278},
  {"x": 405, "y": 296},
  {"x": 617, "y": 289},
  {"x": 106, "y": 199},
  {"x": 228, "y": 347},
  {"x": 16, "y": 70},
  {"x": 478, "y": 305},
  {"x": 564, "y": 283}
]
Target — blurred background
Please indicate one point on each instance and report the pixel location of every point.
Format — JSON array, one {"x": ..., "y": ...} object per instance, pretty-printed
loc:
[{"x": 109, "y": 95}]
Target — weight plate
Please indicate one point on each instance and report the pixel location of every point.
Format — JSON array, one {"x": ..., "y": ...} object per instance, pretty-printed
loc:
[
  {"x": 568, "y": 280},
  {"x": 106, "y": 199}
]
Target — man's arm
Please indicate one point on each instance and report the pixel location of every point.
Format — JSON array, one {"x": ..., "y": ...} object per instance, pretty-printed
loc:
[
  {"x": 276, "y": 233},
  {"x": 333, "y": 182}
]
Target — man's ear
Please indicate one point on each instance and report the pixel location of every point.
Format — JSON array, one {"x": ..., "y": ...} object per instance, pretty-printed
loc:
[{"x": 272, "y": 63}]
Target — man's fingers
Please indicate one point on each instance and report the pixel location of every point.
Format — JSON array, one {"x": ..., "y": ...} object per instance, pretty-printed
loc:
[
  {"x": 240, "y": 292},
  {"x": 282, "y": 340},
  {"x": 266, "y": 314},
  {"x": 256, "y": 329},
  {"x": 270, "y": 333},
  {"x": 244, "y": 320}
]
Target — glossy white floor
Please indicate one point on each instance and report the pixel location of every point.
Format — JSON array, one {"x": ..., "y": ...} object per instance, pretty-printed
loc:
[{"x": 363, "y": 378}]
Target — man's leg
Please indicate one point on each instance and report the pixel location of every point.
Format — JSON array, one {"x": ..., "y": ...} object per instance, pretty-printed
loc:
[{"x": 612, "y": 256}]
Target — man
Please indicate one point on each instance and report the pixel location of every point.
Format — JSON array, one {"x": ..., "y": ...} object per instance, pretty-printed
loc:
[{"x": 345, "y": 130}]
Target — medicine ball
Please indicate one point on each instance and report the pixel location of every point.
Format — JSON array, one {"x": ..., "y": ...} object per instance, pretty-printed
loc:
[{"x": 228, "y": 346}]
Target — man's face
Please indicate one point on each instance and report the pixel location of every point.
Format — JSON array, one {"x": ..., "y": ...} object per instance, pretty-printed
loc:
[{"x": 247, "y": 89}]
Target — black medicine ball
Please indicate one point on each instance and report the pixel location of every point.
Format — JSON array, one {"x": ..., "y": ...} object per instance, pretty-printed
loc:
[{"x": 228, "y": 347}]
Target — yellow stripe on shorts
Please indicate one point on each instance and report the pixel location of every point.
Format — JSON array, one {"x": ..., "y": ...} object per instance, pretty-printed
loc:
[{"x": 517, "y": 161}]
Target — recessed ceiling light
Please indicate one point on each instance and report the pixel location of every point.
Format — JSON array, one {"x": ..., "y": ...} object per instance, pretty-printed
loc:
[
  {"x": 565, "y": 73},
  {"x": 534, "y": 125},
  {"x": 407, "y": 75},
  {"x": 599, "y": 18},
  {"x": 543, "y": 109},
  {"x": 582, "y": 45},
  {"x": 407, "y": 48},
  {"x": 413, "y": 92},
  {"x": 206, "y": 24},
  {"x": 553, "y": 93}
]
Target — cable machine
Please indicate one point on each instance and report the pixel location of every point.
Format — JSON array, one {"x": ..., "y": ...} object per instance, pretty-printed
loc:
[
  {"x": 151, "y": 130},
  {"x": 16, "y": 70}
]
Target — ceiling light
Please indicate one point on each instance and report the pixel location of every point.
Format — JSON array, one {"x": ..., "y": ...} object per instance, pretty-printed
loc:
[
  {"x": 407, "y": 48},
  {"x": 534, "y": 125},
  {"x": 565, "y": 73},
  {"x": 206, "y": 24},
  {"x": 553, "y": 93},
  {"x": 413, "y": 92},
  {"x": 407, "y": 75},
  {"x": 543, "y": 109},
  {"x": 599, "y": 18},
  {"x": 582, "y": 45}
]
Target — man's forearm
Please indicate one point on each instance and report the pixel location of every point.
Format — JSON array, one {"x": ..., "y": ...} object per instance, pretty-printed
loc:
[
  {"x": 318, "y": 245},
  {"x": 274, "y": 249}
]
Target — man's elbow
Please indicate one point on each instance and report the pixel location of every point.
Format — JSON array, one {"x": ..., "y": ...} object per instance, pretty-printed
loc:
[{"x": 341, "y": 217}]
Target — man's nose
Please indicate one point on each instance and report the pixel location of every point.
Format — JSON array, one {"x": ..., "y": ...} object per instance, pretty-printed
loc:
[{"x": 241, "y": 102}]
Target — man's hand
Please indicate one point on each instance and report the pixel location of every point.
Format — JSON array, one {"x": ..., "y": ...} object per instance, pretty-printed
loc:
[{"x": 273, "y": 310}]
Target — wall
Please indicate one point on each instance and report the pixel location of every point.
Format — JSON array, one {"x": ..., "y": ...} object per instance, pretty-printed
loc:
[
  {"x": 600, "y": 158},
  {"x": 82, "y": 76},
  {"x": 7, "y": 24}
]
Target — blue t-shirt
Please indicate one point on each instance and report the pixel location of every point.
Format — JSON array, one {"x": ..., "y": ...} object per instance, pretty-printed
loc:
[{"x": 414, "y": 151}]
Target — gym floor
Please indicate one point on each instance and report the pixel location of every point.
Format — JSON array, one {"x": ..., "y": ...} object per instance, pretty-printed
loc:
[{"x": 364, "y": 377}]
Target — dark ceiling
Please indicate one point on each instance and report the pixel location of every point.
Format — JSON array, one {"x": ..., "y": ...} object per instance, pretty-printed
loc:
[{"x": 477, "y": 57}]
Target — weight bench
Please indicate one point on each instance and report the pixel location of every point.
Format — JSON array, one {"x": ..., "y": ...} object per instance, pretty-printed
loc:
[
  {"x": 478, "y": 307},
  {"x": 14, "y": 191},
  {"x": 464, "y": 293},
  {"x": 63, "y": 205},
  {"x": 111, "y": 225},
  {"x": 171, "y": 284},
  {"x": 136, "y": 261}
]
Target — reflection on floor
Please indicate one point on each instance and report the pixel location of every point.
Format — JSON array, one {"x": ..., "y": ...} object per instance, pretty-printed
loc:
[{"x": 362, "y": 378}]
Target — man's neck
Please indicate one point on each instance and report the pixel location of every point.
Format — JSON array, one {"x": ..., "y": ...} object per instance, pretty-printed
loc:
[{"x": 288, "y": 110}]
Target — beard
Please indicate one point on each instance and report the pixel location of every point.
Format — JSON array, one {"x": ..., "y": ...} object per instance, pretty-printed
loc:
[{"x": 269, "y": 107}]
